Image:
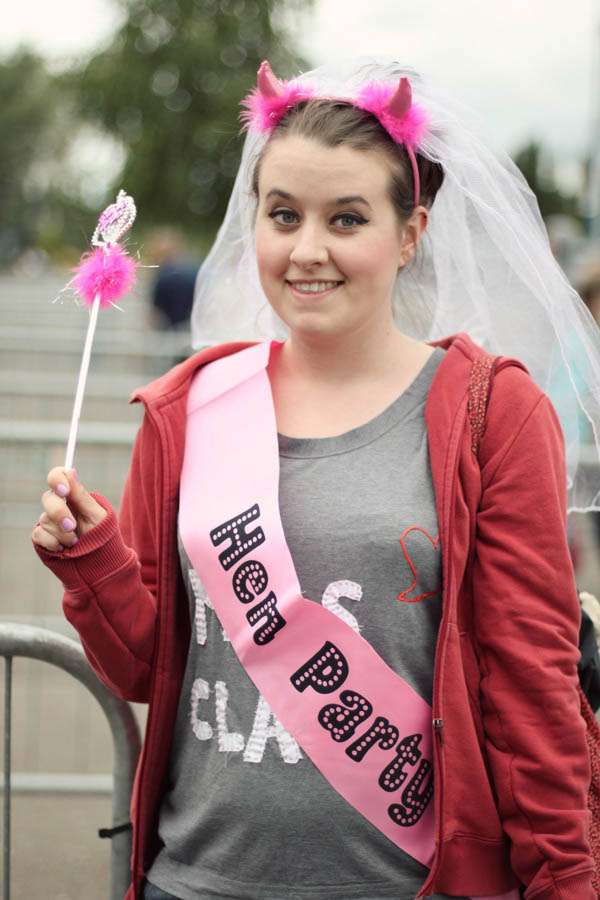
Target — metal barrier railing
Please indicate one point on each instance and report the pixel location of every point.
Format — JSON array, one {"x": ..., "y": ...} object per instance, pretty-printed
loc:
[{"x": 51, "y": 647}]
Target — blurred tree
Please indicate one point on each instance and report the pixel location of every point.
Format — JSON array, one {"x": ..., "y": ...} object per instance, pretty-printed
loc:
[
  {"x": 38, "y": 202},
  {"x": 168, "y": 88},
  {"x": 27, "y": 106},
  {"x": 536, "y": 165}
]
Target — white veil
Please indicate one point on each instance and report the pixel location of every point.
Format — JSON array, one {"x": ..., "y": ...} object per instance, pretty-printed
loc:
[{"x": 483, "y": 266}]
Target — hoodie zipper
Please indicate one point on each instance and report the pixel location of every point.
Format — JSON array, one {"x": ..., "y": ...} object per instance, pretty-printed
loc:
[{"x": 438, "y": 721}]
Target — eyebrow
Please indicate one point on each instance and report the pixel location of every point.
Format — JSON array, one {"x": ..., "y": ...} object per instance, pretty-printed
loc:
[{"x": 340, "y": 201}]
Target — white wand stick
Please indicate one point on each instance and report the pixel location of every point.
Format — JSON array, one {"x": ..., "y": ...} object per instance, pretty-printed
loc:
[{"x": 83, "y": 373}]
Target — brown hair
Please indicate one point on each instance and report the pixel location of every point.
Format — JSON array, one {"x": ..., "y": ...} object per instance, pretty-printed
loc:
[{"x": 334, "y": 122}]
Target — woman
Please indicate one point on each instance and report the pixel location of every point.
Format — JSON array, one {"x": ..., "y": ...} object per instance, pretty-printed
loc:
[{"x": 434, "y": 588}]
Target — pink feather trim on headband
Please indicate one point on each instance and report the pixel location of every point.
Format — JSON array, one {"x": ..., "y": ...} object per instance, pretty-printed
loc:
[
  {"x": 392, "y": 105},
  {"x": 409, "y": 129},
  {"x": 264, "y": 112}
]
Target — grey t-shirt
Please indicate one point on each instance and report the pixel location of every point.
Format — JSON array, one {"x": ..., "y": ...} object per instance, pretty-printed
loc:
[{"x": 246, "y": 813}]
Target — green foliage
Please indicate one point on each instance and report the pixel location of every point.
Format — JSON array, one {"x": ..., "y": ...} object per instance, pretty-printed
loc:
[
  {"x": 165, "y": 91},
  {"x": 28, "y": 99},
  {"x": 168, "y": 87},
  {"x": 537, "y": 169}
]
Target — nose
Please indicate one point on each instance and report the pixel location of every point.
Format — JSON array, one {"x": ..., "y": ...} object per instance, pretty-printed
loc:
[{"x": 309, "y": 247}]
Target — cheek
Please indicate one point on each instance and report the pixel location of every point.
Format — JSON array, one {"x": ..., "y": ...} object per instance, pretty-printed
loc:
[
  {"x": 272, "y": 255},
  {"x": 369, "y": 258}
]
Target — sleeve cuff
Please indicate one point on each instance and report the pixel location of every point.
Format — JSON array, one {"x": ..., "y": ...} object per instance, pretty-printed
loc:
[
  {"x": 98, "y": 553},
  {"x": 576, "y": 887}
]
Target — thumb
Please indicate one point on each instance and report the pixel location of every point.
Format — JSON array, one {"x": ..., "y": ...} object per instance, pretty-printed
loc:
[{"x": 80, "y": 501}]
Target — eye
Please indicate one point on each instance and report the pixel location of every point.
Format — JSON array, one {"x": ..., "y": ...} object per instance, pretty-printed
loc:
[
  {"x": 354, "y": 220},
  {"x": 281, "y": 212},
  {"x": 350, "y": 219}
]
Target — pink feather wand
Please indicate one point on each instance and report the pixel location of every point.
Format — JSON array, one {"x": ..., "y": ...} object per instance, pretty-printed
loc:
[{"x": 102, "y": 277}]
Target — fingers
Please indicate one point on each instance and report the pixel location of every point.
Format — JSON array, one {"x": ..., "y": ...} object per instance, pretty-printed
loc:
[
  {"x": 60, "y": 480},
  {"x": 59, "y": 513},
  {"x": 64, "y": 483},
  {"x": 63, "y": 527},
  {"x": 56, "y": 527},
  {"x": 47, "y": 541},
  {"x": 43, "y": 535},
  {"x": 69, "y": 511}
]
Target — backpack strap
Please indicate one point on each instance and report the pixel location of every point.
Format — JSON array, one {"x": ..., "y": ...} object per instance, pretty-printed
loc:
[{"x": 480, "y": 380}]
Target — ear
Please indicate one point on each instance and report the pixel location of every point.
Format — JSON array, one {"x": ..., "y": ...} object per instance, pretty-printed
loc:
[{"x": 411, "y": 235}]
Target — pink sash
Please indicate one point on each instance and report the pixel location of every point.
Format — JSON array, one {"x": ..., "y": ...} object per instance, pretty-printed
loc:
[{"x": 366, "y": 730}]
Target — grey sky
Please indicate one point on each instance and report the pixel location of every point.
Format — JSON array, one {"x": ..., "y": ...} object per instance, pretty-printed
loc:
[{"x": 527, "y": 66}]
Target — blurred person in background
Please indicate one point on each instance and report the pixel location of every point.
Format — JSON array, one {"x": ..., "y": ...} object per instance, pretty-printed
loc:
[
  {"x": 361, "y": 221},
  {"x": 172, "y": 291}
]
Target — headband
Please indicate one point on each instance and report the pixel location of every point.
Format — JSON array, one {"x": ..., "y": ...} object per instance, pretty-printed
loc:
[{"x": 403, "y": 120}]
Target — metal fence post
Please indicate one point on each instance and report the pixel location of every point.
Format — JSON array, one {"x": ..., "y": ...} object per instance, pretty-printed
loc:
[{"x": 52, "y": 647}]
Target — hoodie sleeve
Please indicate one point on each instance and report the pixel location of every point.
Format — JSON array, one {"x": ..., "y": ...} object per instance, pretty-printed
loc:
[
  {"x": 527, "y": 617},
  {"x": 110, "y": 579}
]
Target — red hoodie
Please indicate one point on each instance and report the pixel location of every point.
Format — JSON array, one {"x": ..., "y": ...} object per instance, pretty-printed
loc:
[{"x": 511, "y": 765}]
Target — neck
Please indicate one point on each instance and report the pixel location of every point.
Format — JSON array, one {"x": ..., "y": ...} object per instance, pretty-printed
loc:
[{"x": 344, "y": 358}]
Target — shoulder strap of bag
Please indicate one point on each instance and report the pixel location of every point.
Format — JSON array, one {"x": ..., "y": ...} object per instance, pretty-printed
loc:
[
  {"x": 482, "y": 370},
  {"x": 482, "y": 373}
]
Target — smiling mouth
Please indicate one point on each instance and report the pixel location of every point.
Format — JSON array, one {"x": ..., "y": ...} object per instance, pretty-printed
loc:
[{"x": 316, "y": 289}]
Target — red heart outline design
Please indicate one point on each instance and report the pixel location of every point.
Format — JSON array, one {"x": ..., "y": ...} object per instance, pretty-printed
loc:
[{"x": 402, "y": 598}]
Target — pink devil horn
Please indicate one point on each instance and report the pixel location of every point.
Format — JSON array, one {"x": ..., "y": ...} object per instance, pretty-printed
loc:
[
  {"x": 268, "y": 84},
  {"x": 401, "y": 100}
]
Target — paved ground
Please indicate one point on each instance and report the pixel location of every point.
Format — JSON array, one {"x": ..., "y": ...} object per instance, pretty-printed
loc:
[{"x": 56, "y": 853}]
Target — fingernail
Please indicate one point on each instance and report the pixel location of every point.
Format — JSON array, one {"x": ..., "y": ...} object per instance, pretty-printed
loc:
[
  {"x": 62, "y": 490},
  {"x": 60, "y": 548},
  {"x": 74, "y": 474},
  {"x": 68, "y": 524}
]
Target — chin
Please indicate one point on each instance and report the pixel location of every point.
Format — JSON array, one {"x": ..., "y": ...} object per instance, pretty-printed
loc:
[
  {"x": 317, "y": 326},
  {"x": 317, "y": 321}
]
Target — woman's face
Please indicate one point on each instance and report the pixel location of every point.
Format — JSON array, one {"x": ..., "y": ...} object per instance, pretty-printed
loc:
[{"x": 325, "y": 223}]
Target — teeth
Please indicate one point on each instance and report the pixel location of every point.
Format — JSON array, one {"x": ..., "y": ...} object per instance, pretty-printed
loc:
[{"x": 317, "y": 287}]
